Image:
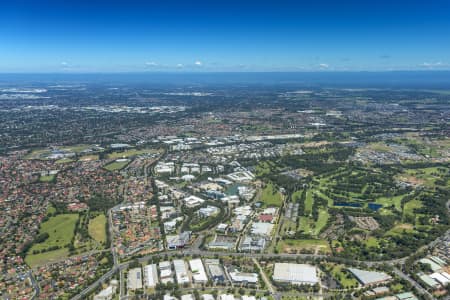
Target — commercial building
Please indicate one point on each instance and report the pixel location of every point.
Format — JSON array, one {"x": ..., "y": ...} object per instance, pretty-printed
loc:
[
  {"x": 198, "y": 271},
  {"x": 193, "y": 201},
  {"x": 106, "y": 294},
  {"x": 134, "y": 279},
  {"x": 178, "y": 241},
  {"x": 369, "y": 277},
  {"x": 261, "y": 228},
  {"x": 252, "y": 243},
  {"x": 243, "y": 278},
  {"x": 150, "y": 276},
  {"x": 295, "y": 273},
  {"x": 181, "y": 271},
  {"x": 215, "y": 270},
  {"x": 165, "y": 272}
]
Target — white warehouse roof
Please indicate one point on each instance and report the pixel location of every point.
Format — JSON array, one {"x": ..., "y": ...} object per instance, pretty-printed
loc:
[
  {"x": 150, "y": 276},
  {"x": 198, "y": 271},
  {"x": 295, "y": 273}
]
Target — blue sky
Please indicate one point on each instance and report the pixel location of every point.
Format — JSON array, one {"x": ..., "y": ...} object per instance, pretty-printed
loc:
[{"x": 135, "y": 36}]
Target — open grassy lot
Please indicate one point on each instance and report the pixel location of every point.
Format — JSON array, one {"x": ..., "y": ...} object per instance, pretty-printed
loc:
[
  {"x": 116, "y": 165},
  {"x": 344, "y": 278},
  {"x": 51, "y": 209},
  {"x": 409, "y": 207},
  {"x": 308, "y": 202},
  {"x": 89, "y": 157},
  {"x": 305, "y": 224},
  {"x": 270, "y": 196},
  {"x": 401, "y": 229},
  {"x": 48, "y": 178},
  {"x": 77, "y": 148},
  {"x": 287, "y": 225},
  {"x": 97, "y": 228},
  {"x": 64, "y": 161},
  {"x": 321, "y": 221},
  {"x": 289, "y": 245},
  {"x": 389, "y": 201},
  {"x": 60, "y": 229},
  {"x": 372, "y": 242},
  {"x": 34, "y": 260}
]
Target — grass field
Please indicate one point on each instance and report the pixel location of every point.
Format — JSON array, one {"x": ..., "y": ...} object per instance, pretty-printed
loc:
[
  {"x": 51, "y": 209},
  {"x": 77, "y": 148},
  {"x": 409, "y": 207},
  {"x": 400, "y": 229},
  {"x": 309, "y": 202},
  {"x": 345, "y": 279},
  {"x": 47, "y": 178},
  {"x": 270, "y": 196},
  {"x": 296, "y": 196},
  {"x": 64, "y": 161},
  {"x": 288, "y": 245},
  {"x": 396, "y": 201},
  {"x": 60, "y": 230},
  {"x": 321, "y": 221},
  {"x": 116, "y": 165},
  {"x": 305, "y": 224},
  {"x": 97, "y": 228},
  {"x": 372, "y": 242},
  {"x": 34, "y": 260}
]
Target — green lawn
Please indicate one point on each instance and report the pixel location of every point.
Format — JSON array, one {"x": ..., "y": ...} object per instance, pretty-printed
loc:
[
  {"x": 372, "y": 242},
  {"x": 97, "y": 228},
  {"x": 51, "y": 209},
  {"x": 116, "y": 165},
  {"x": 77, "y": 148},
  {"x": 296, "y": 195},
  {"x": 409, "y": 207},
  {"x": 308, "y": 202},
  {"x": 305, "y": 224},
  {"x": 344, "y": 278},
  {"x": 48, "y": 178},
  {"x": 46, "y": 257},
  {"x": 60, "y": 229},
  {"x": 270, "y": 196},
  {"x": 64, "y": 160},
  {"x": 321, "y": 221},
  {"x": 388, "y": 201},
  {"x": 287, "y": 245}
]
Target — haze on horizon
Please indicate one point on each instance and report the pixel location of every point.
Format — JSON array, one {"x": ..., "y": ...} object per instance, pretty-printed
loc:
[{"x": 255, "y": 36}]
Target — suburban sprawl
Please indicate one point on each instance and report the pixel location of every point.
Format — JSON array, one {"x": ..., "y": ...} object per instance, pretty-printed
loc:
[{"x": 115, "y": 191}]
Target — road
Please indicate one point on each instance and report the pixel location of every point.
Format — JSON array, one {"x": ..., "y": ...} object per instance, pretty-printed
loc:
[
  {"x": 264, "y": 277},
  {"x": 254, "y": 256},
  {"x": 413, "y": 282}
]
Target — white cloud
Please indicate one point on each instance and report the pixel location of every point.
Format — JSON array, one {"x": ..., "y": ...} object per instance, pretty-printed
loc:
[
  {"x": 432, "y": 64},
  {"x": 180, "y": 66},
  {"x": 324, "y": 66},
  {"x": 64, "y": 63},
  {"x": 198, "y": 63},
  {"x": 151, "y": 64}
]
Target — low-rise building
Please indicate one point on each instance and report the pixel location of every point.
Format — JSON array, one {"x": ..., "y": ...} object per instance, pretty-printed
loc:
[
  {"x": 134, "y": 281},
  {"x": 181, "y": 271},
  {"x": 295, "y": 273},
  {"x": 198, "y": 271},
  {"x": 150, "y": 276}
]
